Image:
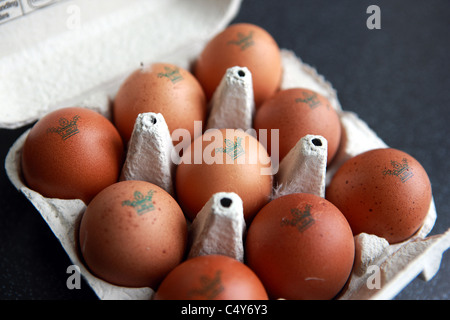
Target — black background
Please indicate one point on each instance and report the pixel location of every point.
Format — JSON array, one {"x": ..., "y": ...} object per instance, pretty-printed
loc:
[{"x": 395, "y": 78}]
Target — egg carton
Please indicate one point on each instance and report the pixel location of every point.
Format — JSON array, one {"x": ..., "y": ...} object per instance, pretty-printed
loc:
[
  {"x": 176, "y": 31},
  {"x": 219, "y": 227}
]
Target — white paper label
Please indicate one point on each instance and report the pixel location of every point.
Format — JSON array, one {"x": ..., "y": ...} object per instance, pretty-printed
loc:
[{"x": 11, "y": 9}]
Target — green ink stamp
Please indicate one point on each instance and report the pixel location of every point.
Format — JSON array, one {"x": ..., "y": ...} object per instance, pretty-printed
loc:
[
  {"x": 311, "y": 99},
  {"x": 302, "y": 220},
  {"x": 233, "y": 149},
  {"x": 67, "y": 128},
  {"x": 173, "y": 74},
  {"x": 243, "y": 41},
  {"x": 400, "y": 169},
  {"x": 141, "y": 203},
  {"x": 209, "y": 287}
]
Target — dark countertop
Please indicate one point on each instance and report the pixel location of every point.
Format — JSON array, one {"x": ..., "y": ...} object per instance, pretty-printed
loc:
[{"x": 395, "y": 78}]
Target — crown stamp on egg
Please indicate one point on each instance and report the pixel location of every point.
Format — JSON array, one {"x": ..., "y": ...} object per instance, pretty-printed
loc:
[
  {"x": 301, "y": 219},
  {"x": 310, "y": 98},
  {"x": 67, "y": 128},
  {"x": 210, "y": 287},
  {"x": 233, "y": 149},
  {"x": 172, "y": 73},
  {"x": 243, "y": 41},
  {"x": 400, "y": 170},
  {"x": 142, "y": 204}
]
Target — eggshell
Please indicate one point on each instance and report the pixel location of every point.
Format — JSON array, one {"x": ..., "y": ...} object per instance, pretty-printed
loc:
[
  {"x": 160, "y": 88},
  {"x": 211, "y": 277},
  {"x": 224, "y": 160},
  {"x": 301, "y": 247},
  {"x": 385, "y": 192},
  {"x": 243, "y": 45},
  {"x": 297, "y": 112},
  {"x": 132, "y": 234},
  {"x": 72, "y": 153}
]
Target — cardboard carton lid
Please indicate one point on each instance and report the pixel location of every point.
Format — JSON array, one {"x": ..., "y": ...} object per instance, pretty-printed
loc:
[{"x": 58, "y": 53}]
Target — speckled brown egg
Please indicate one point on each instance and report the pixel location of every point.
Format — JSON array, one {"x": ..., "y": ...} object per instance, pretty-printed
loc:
[
  {"x": 211, "y": 277},
  {"x": 385, "y": 192},
  {"x": 243, "y": 45},
  {"x": 160, "y": 88},
  {"x": 224, "y": 160},
  {"x": 301, "y": 247},
  {"x": 72, "y": 153},
  {"x": 132, "y": 234},
  {"x": 296, "y": 113}
]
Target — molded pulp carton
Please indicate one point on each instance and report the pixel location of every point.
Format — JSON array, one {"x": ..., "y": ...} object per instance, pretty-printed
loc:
[{"x": 83, "y": 64}]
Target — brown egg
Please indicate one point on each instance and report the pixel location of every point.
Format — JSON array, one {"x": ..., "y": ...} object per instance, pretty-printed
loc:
[
  {"x": 72, "y": 153},
  {"x": 301, "y": 247},
  {"x": 385, "y": 192},
  {"x": 297, "y": 112},
  {"x": 160, "y": 88},
  {"x": 211, "y": 277},
  {"x": 132, "y": 234},
  {"x": 243, "y": 45},
  {"x": 225, "y": 160}
]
